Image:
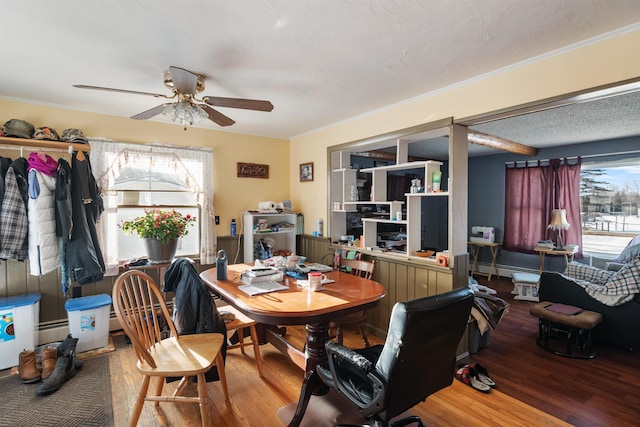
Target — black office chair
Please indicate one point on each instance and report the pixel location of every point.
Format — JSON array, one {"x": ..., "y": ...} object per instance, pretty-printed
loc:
[{"x": 417, "y": 359}]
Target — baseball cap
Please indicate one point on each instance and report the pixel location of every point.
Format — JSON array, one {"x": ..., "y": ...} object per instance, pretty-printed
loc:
[
  {"x": 18, "y": 128},
  {"x": 73, "y": 135},
  {"x": 46, "y": 133}
]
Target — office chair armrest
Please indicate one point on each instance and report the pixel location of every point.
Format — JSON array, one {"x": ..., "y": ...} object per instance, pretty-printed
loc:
[
  {"x": 360, "y": 382},
  {"x": 348, "y": 355}
]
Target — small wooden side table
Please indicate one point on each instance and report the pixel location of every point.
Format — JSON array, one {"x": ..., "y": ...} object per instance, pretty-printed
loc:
[
  {"x": 474, "y": 248},
  {"x": 567, "y": 253}
]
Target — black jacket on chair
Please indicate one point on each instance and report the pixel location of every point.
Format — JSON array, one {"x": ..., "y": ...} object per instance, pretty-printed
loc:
[{"x": 194, "y": 311}]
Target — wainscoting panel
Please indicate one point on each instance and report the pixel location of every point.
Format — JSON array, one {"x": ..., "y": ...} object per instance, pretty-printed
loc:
[
  {"x": 403, "y": 280},
  {"x": 314, "y": 248}
]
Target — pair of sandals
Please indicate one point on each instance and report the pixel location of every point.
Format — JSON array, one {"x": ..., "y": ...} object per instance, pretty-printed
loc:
[{"x": 475, "y": 376}]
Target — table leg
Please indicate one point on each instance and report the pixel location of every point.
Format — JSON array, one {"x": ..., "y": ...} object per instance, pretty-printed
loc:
[
  {"x": 541, "y": 262},
  {"x": 475, "y": 250},
  {"x": 311, "y": 382},
  {"x": 315, "y": 352},
  {"x": 494, "y": 266}
]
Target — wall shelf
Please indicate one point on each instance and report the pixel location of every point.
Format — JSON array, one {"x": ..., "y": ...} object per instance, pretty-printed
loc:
[{"x": 58, "y": 146}]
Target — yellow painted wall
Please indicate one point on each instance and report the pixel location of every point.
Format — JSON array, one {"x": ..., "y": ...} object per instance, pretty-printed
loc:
[
  {"x": 232, "y": 195},
  {"x": 606, "y": 62}
]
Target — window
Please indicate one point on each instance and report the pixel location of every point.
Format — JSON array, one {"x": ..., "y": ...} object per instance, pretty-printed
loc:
[
  {"x": 609, "y": 197},
  {"x": 131, "y": 246},
  {"x": 133, "y": 177}
]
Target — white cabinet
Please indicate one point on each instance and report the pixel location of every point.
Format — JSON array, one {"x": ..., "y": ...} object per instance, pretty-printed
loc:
[{"x": 276, "y": 230}]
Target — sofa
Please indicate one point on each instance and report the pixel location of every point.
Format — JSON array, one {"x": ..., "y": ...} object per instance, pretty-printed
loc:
[{"x": 620, "y": 325}]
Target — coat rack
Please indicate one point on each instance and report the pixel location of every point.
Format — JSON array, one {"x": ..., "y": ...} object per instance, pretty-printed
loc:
[{"x": 55, "y": 146}]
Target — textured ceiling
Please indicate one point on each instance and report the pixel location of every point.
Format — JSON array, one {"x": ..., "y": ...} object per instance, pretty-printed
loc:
[{"x": 318, "y": 62}]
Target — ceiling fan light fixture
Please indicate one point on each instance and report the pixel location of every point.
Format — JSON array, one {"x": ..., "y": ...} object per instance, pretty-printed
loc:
[{"x": 185, "y": 113}]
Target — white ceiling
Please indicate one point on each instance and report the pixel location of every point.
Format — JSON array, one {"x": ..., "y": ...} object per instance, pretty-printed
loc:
[{"x": 318, "y": 62}]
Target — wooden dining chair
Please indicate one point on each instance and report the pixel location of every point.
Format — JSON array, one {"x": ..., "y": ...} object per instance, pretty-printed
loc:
[
  {"x": 138, "y": 303},
  {"x": 240, "y": 322},
  {"x": 361, "y": 268}
]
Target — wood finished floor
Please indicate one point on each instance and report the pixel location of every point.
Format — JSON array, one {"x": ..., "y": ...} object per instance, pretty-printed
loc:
[
  {"x": 604, "y": 391},
  {"x": 535, "y": 388}
]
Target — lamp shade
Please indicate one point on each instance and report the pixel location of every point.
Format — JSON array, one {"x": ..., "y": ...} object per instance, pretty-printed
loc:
[{"x": 559, "y": 220}]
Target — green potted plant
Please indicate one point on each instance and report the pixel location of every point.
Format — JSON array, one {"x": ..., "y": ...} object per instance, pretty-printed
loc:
[{"x": 160, "y": 230}]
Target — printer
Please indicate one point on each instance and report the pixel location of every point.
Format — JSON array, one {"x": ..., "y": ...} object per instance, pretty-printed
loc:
[{"x": 481, "y": 234}]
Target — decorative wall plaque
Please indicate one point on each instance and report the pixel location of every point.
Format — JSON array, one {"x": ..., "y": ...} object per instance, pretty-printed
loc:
[{"x": 253, "y": 170}]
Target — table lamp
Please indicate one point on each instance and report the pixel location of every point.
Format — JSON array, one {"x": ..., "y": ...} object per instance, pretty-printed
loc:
[{"x": 559, "y": 223}]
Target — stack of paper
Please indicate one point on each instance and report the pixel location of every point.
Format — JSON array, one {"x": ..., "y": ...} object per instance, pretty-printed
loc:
[
  {"x": 262, "y": 288},
  {"x": 275, "y": 276},
  {"x": 260, "y": 271},
  {"x": 320, "y": 267}
]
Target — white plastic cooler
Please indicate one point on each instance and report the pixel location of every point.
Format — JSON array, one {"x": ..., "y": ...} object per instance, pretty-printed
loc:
[
  {"x": 89, "y": 321},
  {"x": 19, "y": 322}
]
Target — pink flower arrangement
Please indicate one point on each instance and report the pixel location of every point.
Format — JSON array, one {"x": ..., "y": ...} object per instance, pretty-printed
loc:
[{"x": 162, "y": 225}]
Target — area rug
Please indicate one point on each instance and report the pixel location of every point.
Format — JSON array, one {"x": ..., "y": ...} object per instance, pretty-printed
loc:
[{"x": 84, "y": 400}]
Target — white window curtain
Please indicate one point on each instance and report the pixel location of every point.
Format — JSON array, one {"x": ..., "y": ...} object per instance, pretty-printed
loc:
[{"x": 108, "y": 158}]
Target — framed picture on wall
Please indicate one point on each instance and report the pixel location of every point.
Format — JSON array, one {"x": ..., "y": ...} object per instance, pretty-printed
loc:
[{"x": 306, "y": 172}]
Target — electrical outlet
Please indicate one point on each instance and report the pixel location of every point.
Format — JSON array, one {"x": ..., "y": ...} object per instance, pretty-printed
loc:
[{"x": 217, "y": 218}]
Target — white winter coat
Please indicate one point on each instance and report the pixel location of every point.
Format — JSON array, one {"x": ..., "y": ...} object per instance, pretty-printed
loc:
[{"x": 44, "y": 252}]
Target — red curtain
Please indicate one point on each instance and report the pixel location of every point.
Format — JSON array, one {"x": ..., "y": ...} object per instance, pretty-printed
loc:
[
  {"x": 531, "y": 193},
  {"x": 567, "y": 196}
]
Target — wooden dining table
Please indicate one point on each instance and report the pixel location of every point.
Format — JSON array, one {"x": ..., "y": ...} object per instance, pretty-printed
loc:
[{"x": 299, "y": 306}]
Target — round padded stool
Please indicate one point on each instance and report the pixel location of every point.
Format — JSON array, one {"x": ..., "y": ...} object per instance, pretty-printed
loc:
[{"x": 572, "y": 321}]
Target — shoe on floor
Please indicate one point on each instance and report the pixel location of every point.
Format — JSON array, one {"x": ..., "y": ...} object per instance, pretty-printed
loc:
[
  {"x": 27, "y": 367},
  {"x": 469, "y": 376},
  {"x": 48, "y": 361},
  {"x": 64, "y": 370}
]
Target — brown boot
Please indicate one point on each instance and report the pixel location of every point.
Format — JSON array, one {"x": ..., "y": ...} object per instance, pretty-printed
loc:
[
  {"x": 48, "y": 360},
  {"x": 27, "y": 368}
]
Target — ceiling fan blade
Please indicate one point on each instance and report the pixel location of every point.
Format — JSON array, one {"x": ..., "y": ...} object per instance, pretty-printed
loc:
[
  {"x": 217, "y": 116},
  {"x": 184, "y": 81},
  {"x": 247, "y": 104},
  {"x": 150, "y": 113},
  {"x": 108, "y": 89}
]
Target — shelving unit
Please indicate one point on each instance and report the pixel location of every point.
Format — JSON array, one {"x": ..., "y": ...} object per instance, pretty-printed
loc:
[
  {"x": 379, "y": 175},
  {"x": 414, "y": 209},
  {"x": 412, "y": 219},
  {"x": 284, "y": 238},
  {"x": 419, "y": 226}
]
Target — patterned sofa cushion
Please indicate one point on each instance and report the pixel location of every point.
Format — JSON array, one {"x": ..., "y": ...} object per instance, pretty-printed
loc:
[
  {"x": 579, "y": 271},
  {"x": 616, "y": 289}
]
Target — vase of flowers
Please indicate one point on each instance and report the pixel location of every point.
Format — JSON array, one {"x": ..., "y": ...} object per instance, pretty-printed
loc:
[{"x": 160, "y": 230}]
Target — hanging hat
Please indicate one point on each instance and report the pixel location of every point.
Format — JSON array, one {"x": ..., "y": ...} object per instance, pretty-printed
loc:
[
  {"x": 46, "y": 133},
  {"x": 73, "y": 135},
  {"x": 18, "y": 128}
]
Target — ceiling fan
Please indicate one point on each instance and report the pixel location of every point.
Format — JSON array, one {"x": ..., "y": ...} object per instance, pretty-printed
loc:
[{"x": 187, "y": 109}]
